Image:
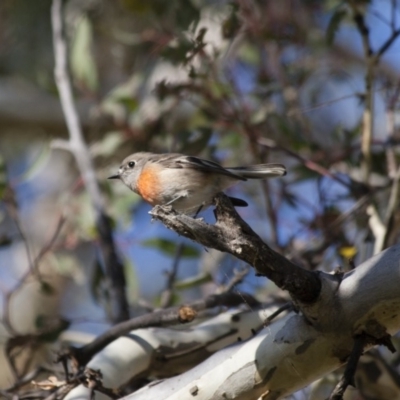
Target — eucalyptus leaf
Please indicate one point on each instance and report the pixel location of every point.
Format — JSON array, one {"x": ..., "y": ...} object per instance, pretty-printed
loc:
[
  {"x": 108, "y": 145},
  {"x": 39, "y": 162},
  {"x": 334, "y": 24},
  {"x": 168, "y": 247},
  {"x": 83, "y": 65}
]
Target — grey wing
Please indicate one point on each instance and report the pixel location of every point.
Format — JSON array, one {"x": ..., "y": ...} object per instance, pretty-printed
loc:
[{"x": 200, "y": 164}]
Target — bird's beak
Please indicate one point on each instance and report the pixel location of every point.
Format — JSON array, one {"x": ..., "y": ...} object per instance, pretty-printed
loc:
[{"x": 114, "y": 177}]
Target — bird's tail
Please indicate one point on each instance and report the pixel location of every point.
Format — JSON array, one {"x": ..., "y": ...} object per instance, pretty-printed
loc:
[{"x": 259, "y": 171}]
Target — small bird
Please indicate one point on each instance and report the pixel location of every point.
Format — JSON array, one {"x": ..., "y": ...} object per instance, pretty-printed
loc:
[{"x": 187, "y": 183}]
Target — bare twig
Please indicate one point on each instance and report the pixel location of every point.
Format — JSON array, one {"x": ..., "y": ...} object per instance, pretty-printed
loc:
[
  {"x": 49, "y": 245},
  {"x": 387, "y": 44},
  {"x": 286, "y": 307},
  {"x": 348, "y": 376},
  {"x": 381, "y": 228},
  {"x": 94, "y": 381},
  {"x": 12, "y": 208},
  {"x": 237, "y": 278},
  {"x": 77, "y": 145},
  {"x": 167, "y": 294},
  {"x": 61, "y": 391},
  {"x": 368, "y": 114},
  {"x": 34, "y": 267},
  {"x": 372, "y": 60},
  {"x": 25, "y": 379},
  {"x": 393, "y": 16},
  {"x": 390, "y": 116},
  {"x": 313, "y": 166},
  {"x": 392, "y": 208}
]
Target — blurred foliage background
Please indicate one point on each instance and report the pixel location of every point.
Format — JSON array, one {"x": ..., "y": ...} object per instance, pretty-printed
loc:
[{"x": 237, "y": 82}]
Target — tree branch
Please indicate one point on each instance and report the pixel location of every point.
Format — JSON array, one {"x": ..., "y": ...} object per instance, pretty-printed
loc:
[
  {"x": 368, "y": 114},
  {"x": 112, "y": 263},
  {"x": 232, "y": 235},
  {"x": 165, "y": 317},
  {"x": 348, "y": 376},
  {"x": 372, "y": 60}
]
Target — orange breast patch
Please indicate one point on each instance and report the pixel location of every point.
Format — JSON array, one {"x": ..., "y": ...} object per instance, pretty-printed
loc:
[{"x": 148, "y": 185}]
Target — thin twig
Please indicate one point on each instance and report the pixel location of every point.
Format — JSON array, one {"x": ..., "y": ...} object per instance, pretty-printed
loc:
[
  {"x": 28, "y": 378},
  {"x": 372, "y": 60},
  {"x": 387, "y": 44},
  {"x": 11, "y": 205},
  {"x": 237, "y": 278},
  {"x": 393, "y": 16},
  {"x": 392, "y": 208},
  {"x": 167, "y": 294},
  {"x": 47, "y": 247},
  {"x": 286, "y": 307},
  {"x": 348, "y": 375},
  {"x": 382, "y": 229},
  {"x": 61, "y": 391},
  {"x": 368, "y": 113},
  {"x": 64, "y": 86},
  {"x": 313, "y": 166}
]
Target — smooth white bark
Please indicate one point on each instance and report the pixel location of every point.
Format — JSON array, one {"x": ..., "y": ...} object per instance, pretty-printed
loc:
[
  {"x": 298, "y": 349},
  {"x": 165, "y": 352},
  {"x": 287, "y": 355}
]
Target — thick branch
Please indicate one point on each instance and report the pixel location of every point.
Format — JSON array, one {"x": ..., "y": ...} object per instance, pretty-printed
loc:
[{"x": 232, "y": 235}]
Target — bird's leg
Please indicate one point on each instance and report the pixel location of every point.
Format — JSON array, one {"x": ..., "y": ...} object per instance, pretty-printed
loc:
[
  {"x": 173, "y": 200},
  {"x": 198, "y": 211}
]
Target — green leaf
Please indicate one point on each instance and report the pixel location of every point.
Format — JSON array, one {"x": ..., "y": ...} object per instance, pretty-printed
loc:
[
  {"x": 187, "y": 15},
  {"x": 137, "y": 6},
  {"x": 108, "y": 145},
  {"x": 231, "y": 25},
  {"x": 178, "y": 52},
  {"x": 40, "y": 321},
  {"x": 52, "y": 328},
  {"x": 83, "y": 65},
  {"x": 66, "y": 265},
  {"x": 39, "y": 162},
  {"x": 122, "y": 203},
  {"x": 193, "y": 281},
  {"x": 334, "y": 24},
  {"x": 168, "y": 247},
  {"x": 132, "y": 283},
  {"x": 130, "y": 103},
  {"x": 175, "y": 300},
  {"x": 194, "y": 142}
]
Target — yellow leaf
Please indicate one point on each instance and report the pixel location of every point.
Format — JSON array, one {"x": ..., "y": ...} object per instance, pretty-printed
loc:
[{"x": 348, "y": 252}]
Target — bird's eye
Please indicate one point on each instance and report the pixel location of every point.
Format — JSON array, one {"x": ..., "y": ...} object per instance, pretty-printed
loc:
[{"x": 131, "y": 164}]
